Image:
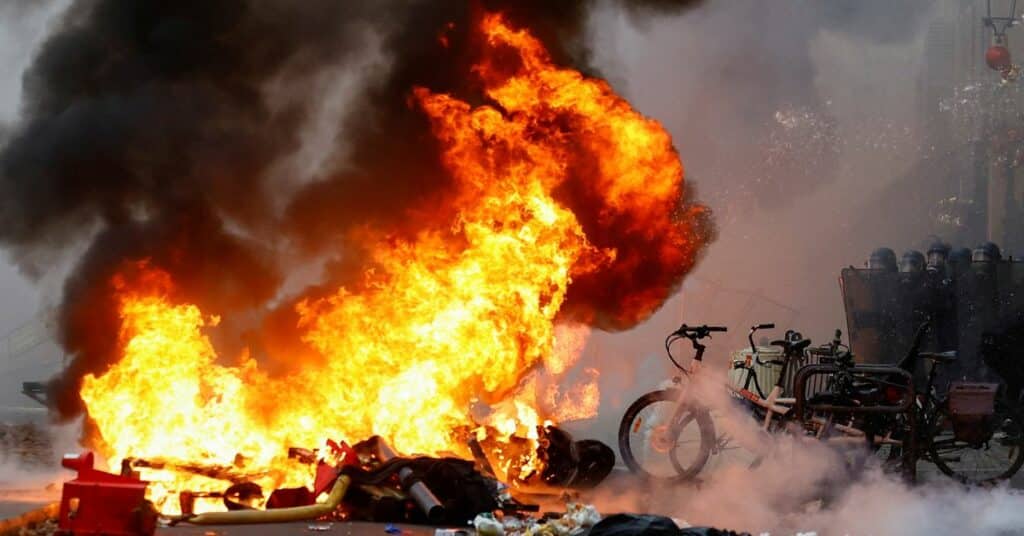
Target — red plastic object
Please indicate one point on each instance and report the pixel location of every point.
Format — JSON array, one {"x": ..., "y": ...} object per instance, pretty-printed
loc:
[
  {"x": 289, "y": 497},
  {"x": 326, "y": 473},
  {"x": 97, "y": 502},
  {"x": 343, "y": 451},
  {"x": 998, "y": 57}
]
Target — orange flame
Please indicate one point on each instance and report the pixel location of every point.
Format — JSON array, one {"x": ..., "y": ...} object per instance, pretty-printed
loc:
[{"x": 449, "y": 322}]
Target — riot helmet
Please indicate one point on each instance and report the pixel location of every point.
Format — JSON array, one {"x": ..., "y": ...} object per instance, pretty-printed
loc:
[
  {"x": 882, "y": 259},
  {"x": 987, "y": 252},
  {"x": 938, "y": 254},
  {"x": 912, "y": 262}
]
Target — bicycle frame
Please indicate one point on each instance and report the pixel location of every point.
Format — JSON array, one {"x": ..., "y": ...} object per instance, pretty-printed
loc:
[
  {"x": 848, "y": 412},
  {"x": 908, "y": 406},
  {"x": 774, "y": 404},
  {"x": 773, "y": 412},
  {"x": 779, "y": 409}
]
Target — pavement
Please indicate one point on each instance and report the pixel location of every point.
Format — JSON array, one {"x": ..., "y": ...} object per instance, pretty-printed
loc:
[
  {"x": 15, "y": 502},
  {"x": 11, "y": 506},
  {"x": 310, "y": 529},
  {"x": 22, "y": 491}
]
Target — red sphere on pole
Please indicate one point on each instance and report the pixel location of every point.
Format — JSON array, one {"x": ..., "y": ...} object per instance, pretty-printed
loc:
[{"x": 998, "y": 57}]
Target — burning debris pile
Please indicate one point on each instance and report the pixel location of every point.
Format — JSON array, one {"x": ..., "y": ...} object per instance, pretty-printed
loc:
[{"x": 557, "y": 208}]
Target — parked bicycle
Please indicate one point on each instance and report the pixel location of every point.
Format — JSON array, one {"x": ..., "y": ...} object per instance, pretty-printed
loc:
[
  {"x": 969, "y": 431},
  {"x": 669, "y": 434}
]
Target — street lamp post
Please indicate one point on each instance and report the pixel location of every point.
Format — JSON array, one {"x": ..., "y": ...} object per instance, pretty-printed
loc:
[
  {"x": 1005, "y": 178},
  {"x": 1005, "y": 17}
]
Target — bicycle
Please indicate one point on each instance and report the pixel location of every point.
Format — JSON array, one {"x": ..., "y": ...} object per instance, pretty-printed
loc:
[
  {"x": 668, "y": 421},
  {"x": 979, "y": 445}
]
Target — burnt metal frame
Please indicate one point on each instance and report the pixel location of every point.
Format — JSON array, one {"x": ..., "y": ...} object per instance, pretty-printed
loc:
[
  {"x": 36, "y": 391},
  {"x": 906, "y": 405}
]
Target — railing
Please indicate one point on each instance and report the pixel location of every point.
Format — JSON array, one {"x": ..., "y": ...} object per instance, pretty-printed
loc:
[
  {"x": 880, "y": 374},
  {"x": 18, "y": 353},
  {"x": 17, "y": 343},
  {"x": 817, "y": 383}
]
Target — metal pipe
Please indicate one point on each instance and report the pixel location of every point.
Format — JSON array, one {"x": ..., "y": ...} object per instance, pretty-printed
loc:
[
  {"x": 800, "y": 383},
  {"x": 906, "y": 406},
  {"x": 420, "y": 493},
  {"x": 481, "y": 458}
]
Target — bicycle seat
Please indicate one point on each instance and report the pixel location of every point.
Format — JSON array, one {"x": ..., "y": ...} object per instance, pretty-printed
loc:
[
  {"x": 792, "y": 347},
  {"x": 939, "y": 357}
]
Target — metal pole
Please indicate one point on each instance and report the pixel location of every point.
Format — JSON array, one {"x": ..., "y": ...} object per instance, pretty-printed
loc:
[{"x": 420, "y": 493}]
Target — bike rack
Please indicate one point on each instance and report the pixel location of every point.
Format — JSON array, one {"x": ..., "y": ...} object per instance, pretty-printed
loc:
[{"x": 906, "y": 405}]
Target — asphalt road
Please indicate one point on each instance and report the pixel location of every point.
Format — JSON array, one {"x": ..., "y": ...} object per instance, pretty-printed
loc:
[
  {"x": 309, "y": 529},
  {"x": 12, "y": 506},
  {"x": 16, "y": 498}
]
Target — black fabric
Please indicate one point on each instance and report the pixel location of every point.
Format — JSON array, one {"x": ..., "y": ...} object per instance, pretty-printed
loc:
[
  {"x": 635, "y": 525},
  {"x": 557, "y": 451},
  {"x": 651, "y": 525},
  {"x": 709, "y": 531},
  {"x": 462, "y": 490},
  {"x": 596, "y": 462},
  {"x": 573, "y": 464},
  {"x": 999, "y": 351}
]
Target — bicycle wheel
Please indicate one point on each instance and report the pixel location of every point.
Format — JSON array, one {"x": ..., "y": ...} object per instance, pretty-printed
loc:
[
  {"x": 661, "y": 439},
  {"x": 882, "y": 443},
  {"x": 984, "y": 461}
]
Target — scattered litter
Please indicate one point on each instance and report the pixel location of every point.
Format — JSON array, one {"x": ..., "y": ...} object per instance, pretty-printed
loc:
[
  {"x": 451, "y": 532},
  {"x": 487, "y": 525},
  {"x": 319, "y": 527},
  {"x": 576, "y": 520},
  {"x": 391, "y": 529},
  {"x": 513, "y": 524},
  {"x": 582, "y": 515}
]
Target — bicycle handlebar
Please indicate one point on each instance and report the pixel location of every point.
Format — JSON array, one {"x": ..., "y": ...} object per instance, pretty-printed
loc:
[
  {"x": 698, "y": 332},
  {"x": 695, "y": 334},
  {"x": 753, "y": 347}
]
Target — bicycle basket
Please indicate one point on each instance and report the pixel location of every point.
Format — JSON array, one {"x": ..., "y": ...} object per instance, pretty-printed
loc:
[
  {"x": 767, "y": 374},
  {"x": 971, "y": 407}
]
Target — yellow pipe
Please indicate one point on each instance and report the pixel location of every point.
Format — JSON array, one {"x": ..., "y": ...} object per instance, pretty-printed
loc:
[{"x": 277, "y": 515}]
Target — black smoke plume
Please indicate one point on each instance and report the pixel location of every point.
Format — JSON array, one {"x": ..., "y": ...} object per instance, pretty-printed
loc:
[{"x": 148, "y": 129}]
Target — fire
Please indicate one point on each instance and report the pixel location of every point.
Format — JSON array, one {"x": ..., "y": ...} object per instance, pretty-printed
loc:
[{"x": 457, "y": 329}]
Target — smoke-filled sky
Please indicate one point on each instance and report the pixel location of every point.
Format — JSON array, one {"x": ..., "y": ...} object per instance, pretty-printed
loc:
[
  {"x": 794, "y": 118},
  {"x": 788, "y": 117},
  {"x": 22, "y": 25},
  {"x": 834, "y": 92}
]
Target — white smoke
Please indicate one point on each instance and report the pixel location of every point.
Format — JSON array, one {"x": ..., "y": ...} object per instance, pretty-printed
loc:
[{"x": 803, "y": 486}]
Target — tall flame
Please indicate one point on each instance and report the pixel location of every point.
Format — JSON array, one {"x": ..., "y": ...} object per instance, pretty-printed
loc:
[{"x": 455, "y": 317}]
